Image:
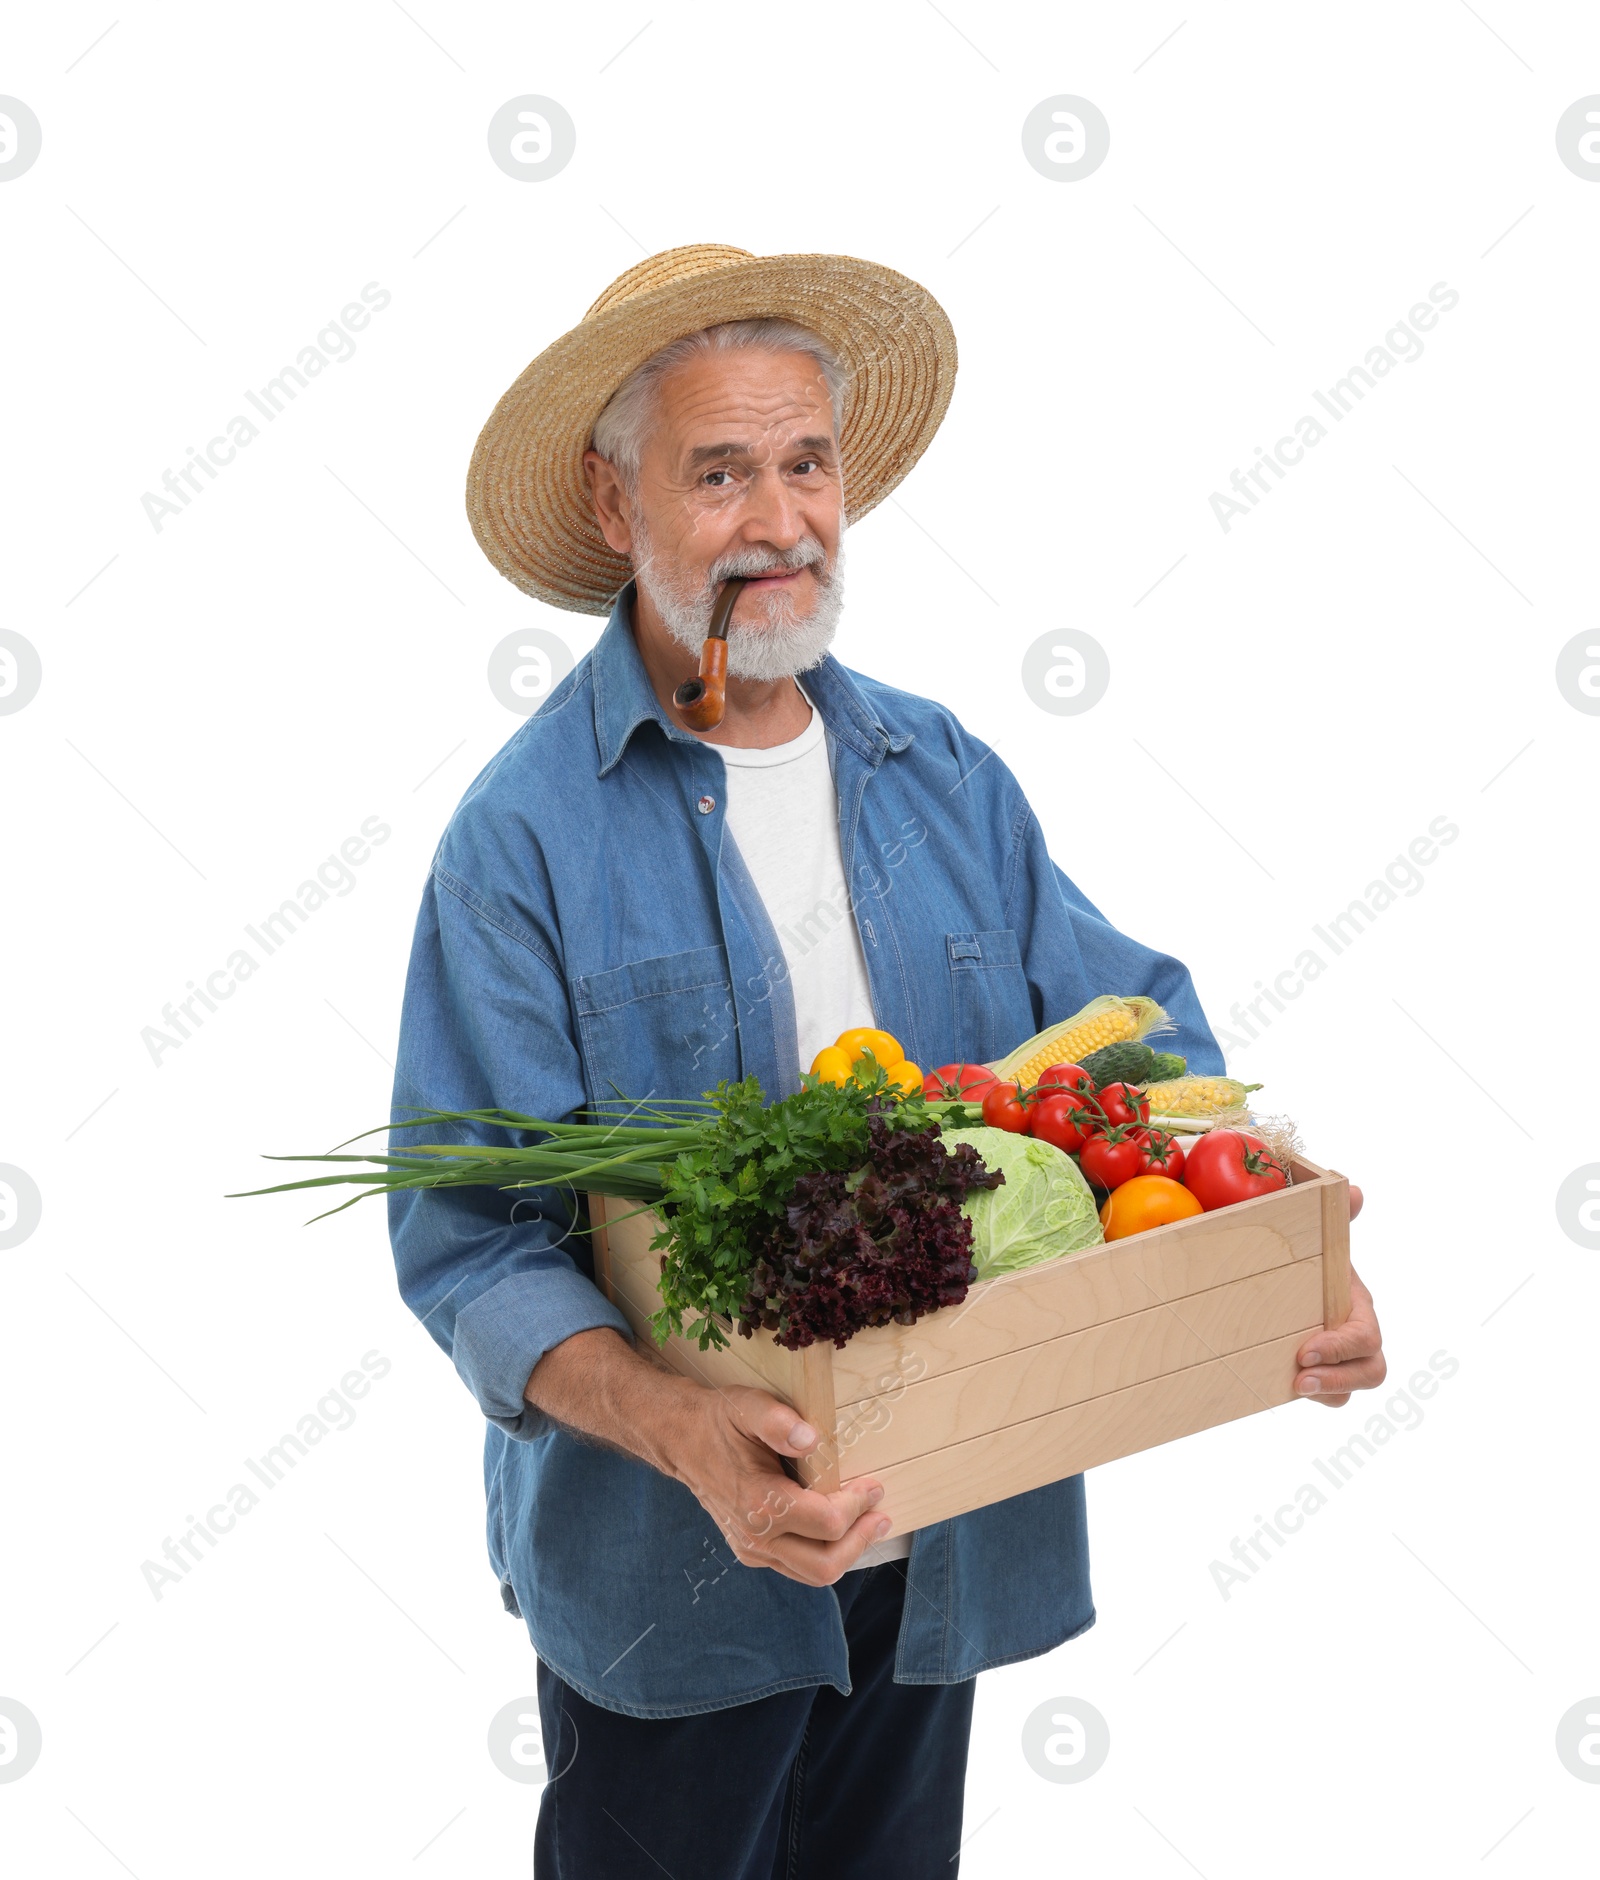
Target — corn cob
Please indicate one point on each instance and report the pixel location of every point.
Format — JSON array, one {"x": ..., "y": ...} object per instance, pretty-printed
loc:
[
  {"x": 1197, "y": 1097},
  {"x": 1103, "y": 1021},
  {"x": 1237, "y": 1118}
]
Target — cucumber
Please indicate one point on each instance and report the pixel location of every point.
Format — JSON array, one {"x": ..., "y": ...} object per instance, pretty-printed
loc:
[
  {"x": 1127, "y": 1063},
  {"x": 1167, "y": 1066}
]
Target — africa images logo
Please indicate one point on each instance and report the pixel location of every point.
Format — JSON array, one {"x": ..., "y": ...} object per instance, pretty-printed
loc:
[
  {"x": 1402, "y": 345},
  {"x": 334, "y": 345},
  {"x": 184, "y": 1016}
]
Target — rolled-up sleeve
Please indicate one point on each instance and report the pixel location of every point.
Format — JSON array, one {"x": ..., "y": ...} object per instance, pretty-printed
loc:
[
  {"x": 1068, "y": 944},
  {"x": 498, "y": 1279}
]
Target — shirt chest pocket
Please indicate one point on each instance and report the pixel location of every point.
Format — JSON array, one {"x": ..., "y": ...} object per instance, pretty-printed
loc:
[
  {"x": 991, "y": 1006},
  {"x": 660, "y": 1027}
]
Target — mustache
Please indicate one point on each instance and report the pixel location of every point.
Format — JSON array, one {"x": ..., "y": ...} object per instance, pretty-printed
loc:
[{"x": 751, "y": 562}]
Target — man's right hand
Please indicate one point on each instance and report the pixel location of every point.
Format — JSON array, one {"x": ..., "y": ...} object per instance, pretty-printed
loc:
[
  {"x": 728, "y": 1452},
  {"x": 727, "y": 1447}
]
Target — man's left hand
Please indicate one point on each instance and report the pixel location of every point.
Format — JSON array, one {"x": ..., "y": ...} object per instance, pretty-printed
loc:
[{"x": 1349, "y": 1356}]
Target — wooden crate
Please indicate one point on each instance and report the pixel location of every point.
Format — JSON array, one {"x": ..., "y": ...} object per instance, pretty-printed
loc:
[{"x": 1040, "y": 1374}]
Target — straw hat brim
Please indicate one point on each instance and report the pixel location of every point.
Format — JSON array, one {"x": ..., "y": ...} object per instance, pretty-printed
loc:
[{"x": 527, "y": 498}]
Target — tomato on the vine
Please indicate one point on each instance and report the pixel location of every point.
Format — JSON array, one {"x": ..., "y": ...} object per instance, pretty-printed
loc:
[
  {"x": 1111, "y": 1160},
  {"x": 1059, "y": 1077},
  {"x": 966, "y": 1081},
  {"x": 1228, "y": 1165},
  {"x": 1162, "y": 1154},
  {"x": 1123, "y": 1103},
  {"x": 1062, "y": 1118},
  {"x": 1003, "y": 1108}
]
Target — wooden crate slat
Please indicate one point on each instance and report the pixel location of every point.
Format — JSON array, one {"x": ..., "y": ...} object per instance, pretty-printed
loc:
[
  {"x": 1335, "y": 1250},
  {"x": 1024, "y": 1456},
  {"x": 913, "y": 1418}
]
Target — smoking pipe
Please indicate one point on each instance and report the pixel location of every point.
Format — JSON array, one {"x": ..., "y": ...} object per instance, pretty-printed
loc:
[{"x": 702, "y": 701}]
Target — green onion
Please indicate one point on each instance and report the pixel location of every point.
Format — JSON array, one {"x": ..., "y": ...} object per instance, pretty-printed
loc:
[{"x": 632, "y": 1159}]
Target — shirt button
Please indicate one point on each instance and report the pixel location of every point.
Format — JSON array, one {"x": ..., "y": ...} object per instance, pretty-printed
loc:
[{"x": 706, "y": 805}]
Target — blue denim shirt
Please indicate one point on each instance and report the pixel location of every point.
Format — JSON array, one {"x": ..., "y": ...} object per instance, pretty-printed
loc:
[{"x": 589, "y": 927}]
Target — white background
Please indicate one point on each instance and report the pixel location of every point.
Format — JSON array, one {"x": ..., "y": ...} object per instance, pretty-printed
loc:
[{"x": 226, "y": 701}]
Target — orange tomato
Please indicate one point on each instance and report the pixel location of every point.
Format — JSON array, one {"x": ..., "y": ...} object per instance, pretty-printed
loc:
[{"x": 1146, "y": 1201}]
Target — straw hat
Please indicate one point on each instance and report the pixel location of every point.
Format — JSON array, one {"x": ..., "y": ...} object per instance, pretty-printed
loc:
[{"x": 526, "y": 495}]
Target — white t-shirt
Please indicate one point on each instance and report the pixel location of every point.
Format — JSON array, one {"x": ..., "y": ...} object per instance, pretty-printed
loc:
[{"x": 783, "y": 814}]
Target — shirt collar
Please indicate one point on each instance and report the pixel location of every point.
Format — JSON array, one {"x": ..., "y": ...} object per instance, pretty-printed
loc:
[{"x": 624, "y": 698}]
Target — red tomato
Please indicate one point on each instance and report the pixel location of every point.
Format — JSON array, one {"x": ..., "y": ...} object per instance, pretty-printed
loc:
[
  {"x": 967, "y": 1081},
  {"x": 1123, "y": 1103},
  {"x": 1004, "y": 1109},
  {"x": 1109, "y": 1161},
  {"x": 1066, "y": 1077},
  {"x": 1062, "y": 1119},
  {"x": 1162, "y": 1154},
  {"x": 1227, "y": 1165}
]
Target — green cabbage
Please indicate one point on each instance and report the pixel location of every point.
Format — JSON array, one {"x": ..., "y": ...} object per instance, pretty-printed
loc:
[{"x": 1044, "y": 1206}]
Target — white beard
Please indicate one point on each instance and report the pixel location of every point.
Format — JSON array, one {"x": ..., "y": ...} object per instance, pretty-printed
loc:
[{"x": 779, "y": 647}]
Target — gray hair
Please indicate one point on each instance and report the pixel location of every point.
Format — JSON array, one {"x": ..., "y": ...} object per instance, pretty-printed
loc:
[{"x": 620, "y": 430}]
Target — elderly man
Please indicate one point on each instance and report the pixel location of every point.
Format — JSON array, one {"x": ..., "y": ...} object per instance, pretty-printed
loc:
[{"x": 738, "y": 1678}]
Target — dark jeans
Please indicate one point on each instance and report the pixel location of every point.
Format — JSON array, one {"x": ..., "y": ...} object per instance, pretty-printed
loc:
[{"x": 803, "y": 1785}]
